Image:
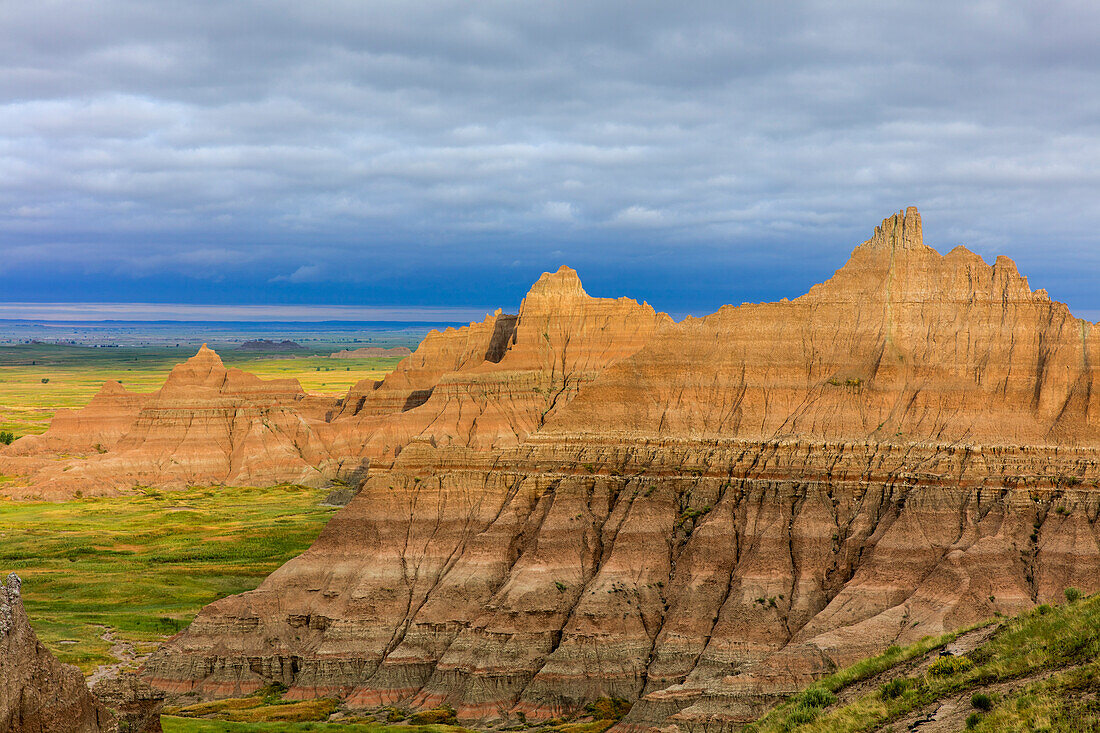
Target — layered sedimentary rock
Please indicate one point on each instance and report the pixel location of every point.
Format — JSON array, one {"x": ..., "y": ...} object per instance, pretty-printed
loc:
[
  {"x": 270, "y": 345},
  {"x": 206, "y": 425},
  {"x": 135, "y": 704},
  {"x": 697, "y": 516},
  {"x": 492, "y": 384},
  {"x": 410, "y": 384},
  {"x": 487, "y": 385},
  {"x": 96, "y": 427},
  {"x": 38, "y": 694}
]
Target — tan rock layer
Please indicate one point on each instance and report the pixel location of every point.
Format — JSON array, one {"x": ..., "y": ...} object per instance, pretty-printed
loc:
[{"x": 206, "y": 425}]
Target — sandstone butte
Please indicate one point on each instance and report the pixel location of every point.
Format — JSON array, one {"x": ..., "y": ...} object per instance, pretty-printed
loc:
[
  {"x": 38, "y": 694},
  {"x": 589, "y": 499}
]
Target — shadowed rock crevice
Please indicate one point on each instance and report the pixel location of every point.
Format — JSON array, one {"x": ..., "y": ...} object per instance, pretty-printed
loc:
[{"x": 503, "y": 332}]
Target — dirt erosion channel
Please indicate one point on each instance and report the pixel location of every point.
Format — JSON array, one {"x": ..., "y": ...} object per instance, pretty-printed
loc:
[{"x": 588, "y": 500}]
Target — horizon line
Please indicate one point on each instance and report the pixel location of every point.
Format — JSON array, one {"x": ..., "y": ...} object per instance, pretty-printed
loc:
[{"x": 190, "y": 312}]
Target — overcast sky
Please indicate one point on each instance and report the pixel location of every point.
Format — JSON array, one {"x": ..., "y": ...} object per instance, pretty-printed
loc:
[{"x": 445, "y": 153}]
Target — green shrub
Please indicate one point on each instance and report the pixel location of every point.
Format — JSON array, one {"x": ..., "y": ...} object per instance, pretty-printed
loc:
[
  {"x": 6, "y": 437},
  {"x": 895, "y": 688},
  {"x": 981, "y": 701},
  {"x": 801, "y": 716},
  {"x": 608, "y": 708},
  {"x": 1072, "y": 594},
  {"x": 816, "y": 697},
  {"x": 947, "y": 666},
  {"x": 973, "y": 719},
  {"x": 437, "y": 716}
]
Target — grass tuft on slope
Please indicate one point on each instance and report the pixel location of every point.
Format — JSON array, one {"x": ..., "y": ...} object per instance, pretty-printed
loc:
[{"x": 1039, "y": 671}]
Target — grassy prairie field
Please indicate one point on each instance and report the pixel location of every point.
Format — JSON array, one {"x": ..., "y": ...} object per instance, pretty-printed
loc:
[
  {"x": 107, "y": 577},
  {"x": 74, "y": 374},
  {"x": 142, "y": 566}
]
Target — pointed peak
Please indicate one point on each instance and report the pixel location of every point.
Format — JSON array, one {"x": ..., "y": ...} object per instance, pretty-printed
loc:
[
  {"x": 204, "y": 368},
  {"x": 563, "y": 282},
  {"x": 902, "y": 231},
  {"x": 9, "y": 601},
  {"x": 205, "y": 354},
  {"x": 112, "y": 386}
]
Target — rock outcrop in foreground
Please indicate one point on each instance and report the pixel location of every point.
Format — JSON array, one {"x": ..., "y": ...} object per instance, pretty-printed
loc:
[{"x": 38, "y": 694}]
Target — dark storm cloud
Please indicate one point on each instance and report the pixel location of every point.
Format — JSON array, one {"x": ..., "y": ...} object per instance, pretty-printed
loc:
[{"x": 447, "y": 152}]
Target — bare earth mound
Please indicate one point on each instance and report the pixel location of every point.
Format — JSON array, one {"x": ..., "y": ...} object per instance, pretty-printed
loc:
[{"x": 206, "y": 425}]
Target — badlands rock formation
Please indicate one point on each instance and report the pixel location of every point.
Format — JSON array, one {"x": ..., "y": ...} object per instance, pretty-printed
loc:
[
  {"x": 494, "y": 383},
  {"x": 267, "y": 345},
  {"x": 206, "y": 425},
  {"x": 591, "y": 500},
  {"x": 488, "y": 385},
  {"x": 38, "y": 694}
]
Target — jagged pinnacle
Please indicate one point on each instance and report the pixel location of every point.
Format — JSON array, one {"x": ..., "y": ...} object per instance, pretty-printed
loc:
[{"x": 900, "y": 231}]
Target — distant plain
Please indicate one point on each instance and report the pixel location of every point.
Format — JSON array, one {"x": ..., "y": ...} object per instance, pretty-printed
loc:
[
  {"x": 44, "y": 368},
  {"x": 104, "y": 578}
]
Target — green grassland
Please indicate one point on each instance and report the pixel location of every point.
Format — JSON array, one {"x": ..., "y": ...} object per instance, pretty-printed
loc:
[
  {"x": 143, "y": 566},
  {"x": 1039, "y": 671},
  {"x": 75, "y": 374},
  {"x": 136, "y": 569}
]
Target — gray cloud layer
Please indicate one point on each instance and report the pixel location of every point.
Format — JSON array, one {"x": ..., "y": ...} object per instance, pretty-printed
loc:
[{"x": 693, "y": 151}]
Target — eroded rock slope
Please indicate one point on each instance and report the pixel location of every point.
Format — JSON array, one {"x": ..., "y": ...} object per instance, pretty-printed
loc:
[
  {"x": 697, "y": 516},
  {"x": 488, "y": 385},
  {"x": 38, "y": 694},
  {"x": 206, "y": 425}
]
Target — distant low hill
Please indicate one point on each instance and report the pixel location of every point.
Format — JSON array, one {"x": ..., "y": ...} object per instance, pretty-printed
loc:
[
  {"x": 371, "y": 351},
  {"x": 269, "y": 345}
]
